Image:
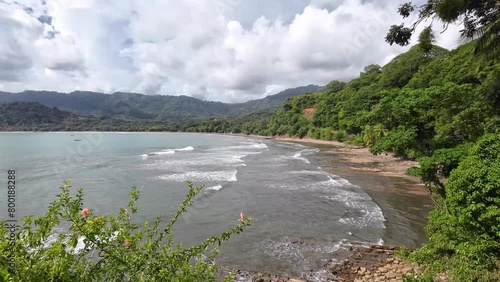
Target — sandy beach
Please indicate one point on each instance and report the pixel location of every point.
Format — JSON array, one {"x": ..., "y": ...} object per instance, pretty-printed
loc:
[
  {"x": 385, "y": 164},
  {"x": 361, "y": 159}
]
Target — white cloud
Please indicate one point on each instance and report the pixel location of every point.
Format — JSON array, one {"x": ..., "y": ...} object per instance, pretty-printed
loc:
[
  {"x": 19, "y": 31},
  {"x": 59, "y": 53},
  {"x": 224, "y": 50}
]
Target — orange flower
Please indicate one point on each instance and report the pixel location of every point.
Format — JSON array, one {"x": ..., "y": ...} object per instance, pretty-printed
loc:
[
  {"x": 127, "y": 244},
  {"x": 86, "y": 212},
  {"x": 242, "y": 217}
]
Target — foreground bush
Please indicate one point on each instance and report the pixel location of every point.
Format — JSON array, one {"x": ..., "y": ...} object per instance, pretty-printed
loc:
[{"x": 115, "y": 249}]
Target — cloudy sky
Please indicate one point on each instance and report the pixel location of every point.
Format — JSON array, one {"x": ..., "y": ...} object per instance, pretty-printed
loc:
[{"x": 224, "y": 50}]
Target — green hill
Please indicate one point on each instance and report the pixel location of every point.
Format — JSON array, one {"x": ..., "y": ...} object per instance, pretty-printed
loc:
[
  {"x": 33, "y": 116},
  {"x": 416, "y": 104}
]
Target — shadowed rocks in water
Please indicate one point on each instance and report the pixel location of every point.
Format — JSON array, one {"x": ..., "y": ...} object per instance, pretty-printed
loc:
[{"x": 366, "y": 264}]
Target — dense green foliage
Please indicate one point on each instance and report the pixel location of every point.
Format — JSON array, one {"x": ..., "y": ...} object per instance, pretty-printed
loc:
[
  {"x": 116, "y": 248},
  {"x": 291, "y": 118},
  {"x": 151, "y": 107},
  {"x": 464, "y": 232},
  {"x": 418, "y": 103},
  {"x": 254, "y": 123}
]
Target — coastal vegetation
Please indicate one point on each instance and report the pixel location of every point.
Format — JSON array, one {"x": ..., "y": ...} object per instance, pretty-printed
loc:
[
  {"x": 438, "y": 107},
  {"x": 98, "y": 247}
]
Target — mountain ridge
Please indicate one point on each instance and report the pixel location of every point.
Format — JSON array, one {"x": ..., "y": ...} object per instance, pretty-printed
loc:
[{"x": 151, "y": 107}]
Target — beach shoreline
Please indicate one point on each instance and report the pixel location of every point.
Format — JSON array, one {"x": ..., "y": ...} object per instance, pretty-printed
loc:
[
  {"x": 365, "y": 263},
  {"x": 359, "y": 158}
]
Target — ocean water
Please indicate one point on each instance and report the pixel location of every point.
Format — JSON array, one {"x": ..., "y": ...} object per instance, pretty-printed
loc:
[{"x": 303, "y": 215}]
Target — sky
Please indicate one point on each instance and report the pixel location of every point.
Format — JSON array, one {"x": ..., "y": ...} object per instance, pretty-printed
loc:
[{"x": 219, "y": 50}]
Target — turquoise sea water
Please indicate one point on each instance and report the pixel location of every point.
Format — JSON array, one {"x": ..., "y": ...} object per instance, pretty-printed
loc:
[{"x": 303, "y": 215}]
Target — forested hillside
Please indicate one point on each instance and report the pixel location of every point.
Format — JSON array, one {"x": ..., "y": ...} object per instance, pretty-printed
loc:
[
  {"x": 33, "y": 116},
  {"x": 151, "y": 107},
  {"x": 416, "y": 104}
]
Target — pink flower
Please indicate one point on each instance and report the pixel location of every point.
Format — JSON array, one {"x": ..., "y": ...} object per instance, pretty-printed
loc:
[
  {"x": 127, "y": 244},
  {"x": 242, "y": 217},
  {"x": 86, "y": 212}
]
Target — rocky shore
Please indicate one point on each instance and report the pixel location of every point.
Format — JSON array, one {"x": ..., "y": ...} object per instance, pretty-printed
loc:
[{"x": 367, "y": 264}]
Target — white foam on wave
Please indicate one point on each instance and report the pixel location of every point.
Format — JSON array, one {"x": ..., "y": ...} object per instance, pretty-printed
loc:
[
  {"x": 309, "y": 172},
  {"x": 196, "y": 161},
  {"x": 259, "y": 146},
  {"x": 163, "y": 152},
  {"x": 371, "y": 214},
  {"x": 380, "y": 242},
  {"x": 241, "y": 147},
  {"x": 80, "y": 245},
  {"x": 327, "y": 185},
  {"x": 215, "y": 188},
  {"x": 298, "y": 156},
  {"x": 291, "y": 144},
  {"x": 296, "y": 251},
  {"x": 353, "y": 198},
  {"x": 168, "y": 151},
  {"x": 320, "y": 275},
  {"x": 338, "y": 181},
  {"x": 188, "y": 148},
  {"x": 227, "y": 176}
]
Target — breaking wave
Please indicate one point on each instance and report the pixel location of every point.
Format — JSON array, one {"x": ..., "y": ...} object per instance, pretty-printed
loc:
[{"x": 227, "y": 176}]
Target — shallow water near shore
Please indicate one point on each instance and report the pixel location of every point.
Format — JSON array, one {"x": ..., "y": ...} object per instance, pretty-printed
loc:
[{"x": 308, "y": 206}]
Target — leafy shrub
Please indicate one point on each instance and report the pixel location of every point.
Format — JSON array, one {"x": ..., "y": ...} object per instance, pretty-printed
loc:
[
  {"x": 464, "y": 231},
  {"x": 399, "y": 141},
  {"x": 115, "y": 249},
  {"x": 356, "y": 140},
  {"x": 315, "y": 133},
  {"x": 414, "y": 171},
  {"x": 327, "y": 134},
  {"x": 340, "y": 135},
  {"x": 439, "y": 166},
  {"x": 302, "y": 132},
  {"x": 373, "y": 134}
]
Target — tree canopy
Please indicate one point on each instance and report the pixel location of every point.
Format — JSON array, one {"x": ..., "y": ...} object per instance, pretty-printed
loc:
[{"x": 480, "y": 19}]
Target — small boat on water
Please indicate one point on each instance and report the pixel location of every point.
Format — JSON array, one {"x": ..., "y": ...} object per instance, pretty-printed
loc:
[{"x": 78, "y": 139}]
